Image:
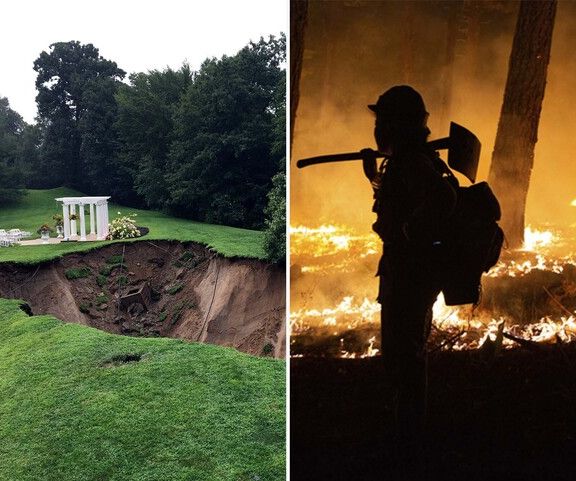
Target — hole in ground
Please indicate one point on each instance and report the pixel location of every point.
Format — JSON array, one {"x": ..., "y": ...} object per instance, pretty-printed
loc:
[
  {"x": 26, "y": 308},
  {"x": 121, "y": 359}
]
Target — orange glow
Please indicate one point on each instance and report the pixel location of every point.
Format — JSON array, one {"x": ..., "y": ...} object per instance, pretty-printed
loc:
[{"x": 329, "y": 253}]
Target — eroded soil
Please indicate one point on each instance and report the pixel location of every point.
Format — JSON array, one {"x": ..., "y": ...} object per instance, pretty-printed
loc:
[{"x": 158, "y": 288}]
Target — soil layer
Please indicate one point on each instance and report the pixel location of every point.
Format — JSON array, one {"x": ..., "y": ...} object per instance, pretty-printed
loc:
[{"x": 160, "y": 288}]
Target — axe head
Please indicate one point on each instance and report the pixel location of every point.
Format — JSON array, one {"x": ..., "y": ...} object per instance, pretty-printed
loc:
[{"x": 463, "y": 151}]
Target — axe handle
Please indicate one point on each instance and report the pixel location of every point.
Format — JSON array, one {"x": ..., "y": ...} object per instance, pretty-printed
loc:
[
  {"x": 322, "y": 159},
  {"x": 438, "y": 144}
]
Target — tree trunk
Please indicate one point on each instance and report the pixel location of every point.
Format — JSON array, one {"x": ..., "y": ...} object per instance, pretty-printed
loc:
[
  {"x": 513, "y": 155},
  {"x": 298, "y": 17}
]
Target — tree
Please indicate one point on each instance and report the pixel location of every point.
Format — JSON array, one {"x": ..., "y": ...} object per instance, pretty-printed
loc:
[
  {"x": 11, "y": 128},
  {"x": 145, "y": 126},
  {"x": 513, "y": 155},
  {"x": 69, "y": 77},
  {"x": 98, "y": 160},
  {"x": 222, "y": 160},
  {"x": 275, "y": 232}
]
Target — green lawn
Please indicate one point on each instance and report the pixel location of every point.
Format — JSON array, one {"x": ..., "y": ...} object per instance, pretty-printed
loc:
[
  {"x": 38, "y": 207},
  {"x": 70, "y": 411}
]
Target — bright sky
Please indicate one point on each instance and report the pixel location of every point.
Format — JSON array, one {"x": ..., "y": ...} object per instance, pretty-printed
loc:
[{"x": 139, "y": 35}]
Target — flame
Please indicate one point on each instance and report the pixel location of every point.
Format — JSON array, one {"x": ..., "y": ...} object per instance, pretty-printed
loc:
[
  {"x": 330, "y": 239},
  {"x": 535, "y": 239},
  {"x": 573, "y": 203},
  {"x": 332, "y": 250}
]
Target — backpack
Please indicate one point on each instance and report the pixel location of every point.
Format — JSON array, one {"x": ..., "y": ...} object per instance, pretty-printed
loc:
[{"x": 473, "y": 243}]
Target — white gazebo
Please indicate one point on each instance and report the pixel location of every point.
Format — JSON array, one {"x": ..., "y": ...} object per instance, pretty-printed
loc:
[{"x": 98, "y": 223}]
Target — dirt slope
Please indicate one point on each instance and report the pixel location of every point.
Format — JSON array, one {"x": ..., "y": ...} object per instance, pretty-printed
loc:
[{"x": 160, "y": 289}]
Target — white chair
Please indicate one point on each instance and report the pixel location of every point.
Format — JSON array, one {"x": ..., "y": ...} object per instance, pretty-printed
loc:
[{"x": 16, "y": 234}]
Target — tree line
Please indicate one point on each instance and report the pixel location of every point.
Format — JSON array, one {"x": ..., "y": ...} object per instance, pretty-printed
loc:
[{"x": 207, "y": 145}]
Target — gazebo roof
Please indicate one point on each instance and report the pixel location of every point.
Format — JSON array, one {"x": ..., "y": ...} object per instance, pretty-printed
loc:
[{"x": 82, "y": 200}]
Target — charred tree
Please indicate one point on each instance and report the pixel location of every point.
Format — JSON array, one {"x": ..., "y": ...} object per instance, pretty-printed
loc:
[
  {"x": 517, "y": 134},
  {"x": 298, "y": 18}
]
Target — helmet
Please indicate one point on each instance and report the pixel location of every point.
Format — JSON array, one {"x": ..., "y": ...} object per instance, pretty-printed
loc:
[{"x": 401, "y": 103}]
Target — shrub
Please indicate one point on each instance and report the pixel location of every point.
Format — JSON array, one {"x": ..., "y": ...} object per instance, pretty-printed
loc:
[
  {"x": 116, "y": 259},
  {"x": 122, "y": 280},
  {"x": 267, "y": 349},
  {"x": 77, "y": 273},
  {"x": 123, "y": 228},
  {"x": 175, "y": 288},
  {"x": 275, "y": 232},
  {"x": 101, "y": 280},
  {"x": 101, "y": 299},
  {"x": 188, "y": 259},
  {"x": 107, "y": 269}
]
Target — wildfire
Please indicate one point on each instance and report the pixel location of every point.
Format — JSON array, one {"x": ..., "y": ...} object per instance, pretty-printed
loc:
[{"x": 329, "y": 251}]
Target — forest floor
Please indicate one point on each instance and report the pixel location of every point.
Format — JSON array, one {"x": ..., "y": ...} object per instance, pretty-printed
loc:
[
  {"x": 506, "y": 417},
  {"x": 38, "y": 207}
]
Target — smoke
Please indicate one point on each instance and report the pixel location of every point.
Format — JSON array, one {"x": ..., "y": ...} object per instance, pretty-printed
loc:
[{"x": 356, "y": 50}]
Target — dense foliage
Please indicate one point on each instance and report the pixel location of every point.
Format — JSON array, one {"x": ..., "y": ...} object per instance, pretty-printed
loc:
[
  {"x": 77, "y": 110},
  {"x": 15, "y": 138}
]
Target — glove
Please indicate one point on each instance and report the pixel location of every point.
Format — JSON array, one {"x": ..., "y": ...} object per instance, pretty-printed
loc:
[{"x": 369, "y": 163}]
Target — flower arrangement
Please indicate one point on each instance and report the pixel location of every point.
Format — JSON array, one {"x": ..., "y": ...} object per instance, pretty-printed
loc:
[
  {"x": 123, "y": 228},
  {"x": 44, "y": 229},
  {"x": 58, "y": 220}
]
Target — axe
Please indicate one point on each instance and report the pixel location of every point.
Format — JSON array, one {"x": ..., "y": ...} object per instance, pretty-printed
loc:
[{"x": 463, "y": 152}]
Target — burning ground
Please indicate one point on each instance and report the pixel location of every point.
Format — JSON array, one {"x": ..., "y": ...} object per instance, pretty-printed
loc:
[{"x": 529, "y": 297}]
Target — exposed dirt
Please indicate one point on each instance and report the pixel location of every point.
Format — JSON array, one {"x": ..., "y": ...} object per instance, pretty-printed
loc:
[{"x": 160, "y": 288}]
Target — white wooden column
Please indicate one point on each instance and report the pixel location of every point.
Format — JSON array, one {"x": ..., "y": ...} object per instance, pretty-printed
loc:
[
  {"x": 106, "y": 220},
  {"x": 82, "y": 222},
  {"x": 66, "y": 220},
  {"x": 92, "y": 231},
  {"x": 73, "y": 228},
  {"x": 99, "y": 222}
]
